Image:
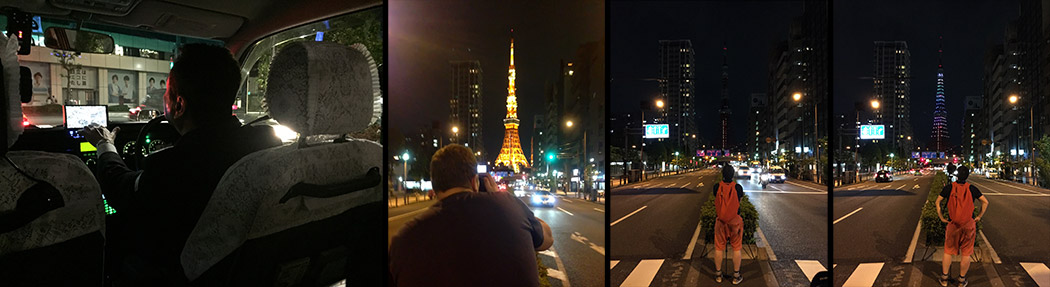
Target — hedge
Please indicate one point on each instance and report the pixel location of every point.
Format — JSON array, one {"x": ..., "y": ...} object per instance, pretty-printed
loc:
[
  {"x": 544, "y": 279},
  {"x": 931, "y": 223},
  {"x": 747, "y": 212}
]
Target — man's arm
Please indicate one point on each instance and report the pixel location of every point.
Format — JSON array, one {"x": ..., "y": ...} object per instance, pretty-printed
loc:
[
  {"x": 984, "y": 207},
  {"x": 548, "y": 237},
  {"x": 114, "y": 177},
  {"x": 938, "y": 205}
]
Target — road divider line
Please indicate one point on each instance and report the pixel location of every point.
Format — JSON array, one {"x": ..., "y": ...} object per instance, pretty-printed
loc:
[
  {"x": 914, "y": 240},
  {"x": 901, "y": 187},
  {"x": 985, "y": 189},
  {"x": 692, "y": 242},
  {"x": 810, "y": 268},
  {"x": 406, "y": 214},
  {"x": 1017, "y": 187},
  {"x": 784, "y": 192},
  {"x": 1018, "y": 194},
  {"x": 847, "y": 215},
  {"x": 769, "y": 248},
  {"x": 599, "y": 210},
  {"x": 561, "y": 268},
  {"x": 626, "y": 216},
  {"x": 565, "y": 211},
  {"x": 864, "y": 275},
  {"x": 684, "y": 185},
  {"x": 809, "y": 187},
  {"x": 991, "y": 251},
  {"x": 1039, "y": 273},
  {"x": 777, "y": 188},
  {"x": 643, "y": 274}
]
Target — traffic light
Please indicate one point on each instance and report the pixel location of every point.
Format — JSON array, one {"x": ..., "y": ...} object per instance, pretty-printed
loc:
[{"x": 550, "y": 157}]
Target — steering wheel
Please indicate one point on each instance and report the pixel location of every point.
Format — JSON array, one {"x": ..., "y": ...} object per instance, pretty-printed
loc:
[{"x": 138, "y": 154}]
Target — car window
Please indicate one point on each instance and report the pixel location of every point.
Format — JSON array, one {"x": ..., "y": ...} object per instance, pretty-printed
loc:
[
  {"x": 361, "y": 27},
  {"x": 129, "y": 80}
]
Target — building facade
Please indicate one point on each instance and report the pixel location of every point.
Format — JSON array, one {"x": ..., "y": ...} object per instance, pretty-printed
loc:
[
  {"x": 676, "y": 90},
  {"x": 892, "y": 88},
  {"x": 465, "y": 104}
]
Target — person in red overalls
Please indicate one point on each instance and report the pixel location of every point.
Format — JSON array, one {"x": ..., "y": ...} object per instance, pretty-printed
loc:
[
  {"x": 962, "y": 226},
  {"x": 728, "y": 224}
]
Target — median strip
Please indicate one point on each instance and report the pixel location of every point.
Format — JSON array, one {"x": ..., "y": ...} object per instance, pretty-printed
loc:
[{"x": 628, "y": 215}]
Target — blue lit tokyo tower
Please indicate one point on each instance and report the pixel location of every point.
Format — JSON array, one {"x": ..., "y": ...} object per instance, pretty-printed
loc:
[{"x": 939, "y": 136}]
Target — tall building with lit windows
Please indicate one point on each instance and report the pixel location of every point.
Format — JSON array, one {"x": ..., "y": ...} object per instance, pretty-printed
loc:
[
  {"x": 465, "y": 109},
  {"x": 892, "y": 82},
  {"x": 676, "y": 89}
]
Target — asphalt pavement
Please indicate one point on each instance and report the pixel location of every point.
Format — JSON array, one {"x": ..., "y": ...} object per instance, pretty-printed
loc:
[
  {"x": 878, "y": 241},
  {"x": 654, "y": 238}
]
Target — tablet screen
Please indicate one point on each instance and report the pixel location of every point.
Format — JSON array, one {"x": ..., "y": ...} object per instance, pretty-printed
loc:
[{"x": 81, "y": 116}]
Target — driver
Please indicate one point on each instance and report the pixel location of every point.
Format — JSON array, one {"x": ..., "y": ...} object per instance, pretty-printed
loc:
[{"x": 164, "y": 200}]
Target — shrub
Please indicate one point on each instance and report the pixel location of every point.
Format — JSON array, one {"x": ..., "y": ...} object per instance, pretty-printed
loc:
[
  {"x": 747, "y": 212},
  {"x": 544, "y": 279},
  {"x": 931, "y": 223}
]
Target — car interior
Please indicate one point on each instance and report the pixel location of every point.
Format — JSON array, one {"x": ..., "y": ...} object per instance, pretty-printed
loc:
[{"x": 83, "y": 62}]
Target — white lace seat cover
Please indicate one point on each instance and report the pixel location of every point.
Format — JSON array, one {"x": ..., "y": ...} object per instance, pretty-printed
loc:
[
  {"x": 82, "y": 214},
  {"x": 316, "y": 89}
]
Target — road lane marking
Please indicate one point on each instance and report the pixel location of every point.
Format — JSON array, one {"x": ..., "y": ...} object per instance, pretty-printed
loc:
[
  {"x": 612, "y": 264},
  {"x": 777, "y": 188},
  {"x": 914, "y": 240},
  {"x": 985, "y": 189},
  {"x": 784, "y": 192},
  {"x": 565, "y": 211},
  {"x": 864, "y": 275},
  {"x": 915, "y": 187},
  {"x": 692, "y": 242},
  {"x": 995, "y": 256},
  {"x": 809, "y": 187},
  {"x": 566, "y": 199},
  {"x": 599, "y": 210},
  {"x": 576, "y": 236},
  {"x": 560, "y": 273},
  {"x": 847, "y": 215},
  {"x": 1018, "y": 187},
  {"x": 901, "y": 187},
  {"x": 810, "y": 268},
  {"x": 1019, "y": 194},
  {"x": 769, "y": 249},
  {"x": 628, "y": 215},
  {"x": 669, "y": 185},
  {"x": 1039, "y": 272},
  {"x": 406, "y": 214},
  {"x": 643, "y": 274}
]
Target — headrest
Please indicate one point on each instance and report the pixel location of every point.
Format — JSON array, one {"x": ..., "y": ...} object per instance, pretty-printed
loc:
[
  {"x": 8, "y": 49},
  {"x": 317, "y": 88}
]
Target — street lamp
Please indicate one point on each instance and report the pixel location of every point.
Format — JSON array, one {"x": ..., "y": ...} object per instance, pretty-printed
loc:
[
  {"x": 660, "y": 104},
  {"x": 875, "y": 104},
  {"x": 1031, "y": 124},
  {"x": 404, "y": 159},
  {"x": 568, "y": 124},
  {"x": 797, "y": 96},
  {"x": 455, "y": 131},
  {"x": 583, "y": 152}
]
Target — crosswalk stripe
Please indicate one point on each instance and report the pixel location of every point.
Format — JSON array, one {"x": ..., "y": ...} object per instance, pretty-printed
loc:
[
  {"x": 612, "y": 264},
  {"x": 643, "y": 274},
  {"x": 810, "y": 267},
  {"x": 864, "y": 275},
  {"x": 1039, "y": 272}
]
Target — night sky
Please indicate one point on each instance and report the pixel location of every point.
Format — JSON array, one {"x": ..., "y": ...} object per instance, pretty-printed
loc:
[
  {"x": 750, "y": 29},
  {"x": 425, "y": 35},
  {"x": 969, "y": 28}
]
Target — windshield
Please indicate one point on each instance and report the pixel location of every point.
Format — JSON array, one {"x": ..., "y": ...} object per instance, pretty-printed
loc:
[
  {"x": 361, "y": 27},
  {"x": 130, "y": 82}
]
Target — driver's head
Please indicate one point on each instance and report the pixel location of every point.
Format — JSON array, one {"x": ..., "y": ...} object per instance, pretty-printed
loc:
[
  {"x": 453, "y": 166},
  {"x": 727, "y": 172},
  {"x": 201, "y": 87},
  {"x": 962, "y": 173}
]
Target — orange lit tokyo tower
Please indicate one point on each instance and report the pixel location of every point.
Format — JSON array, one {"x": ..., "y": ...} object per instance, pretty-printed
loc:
[{"x": 511, "y": 155}]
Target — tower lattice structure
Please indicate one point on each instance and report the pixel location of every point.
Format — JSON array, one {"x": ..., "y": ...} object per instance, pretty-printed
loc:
[
  {"x": 725, "y": 111},
  {"x": 510, "y": 155},
  {"x": 939, "y": 135}
]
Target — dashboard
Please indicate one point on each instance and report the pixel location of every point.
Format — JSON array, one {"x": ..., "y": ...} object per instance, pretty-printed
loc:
[{"x": 62, "y": 140}]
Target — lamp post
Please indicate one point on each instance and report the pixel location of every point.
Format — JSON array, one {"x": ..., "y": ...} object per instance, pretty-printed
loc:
[
  {"x": 816, "y": 137},
  {"x": 1031, "y": 125},
  {"x": 455, "y": 131},
  {"x": 404, "y": 159},
  {"x": 583, "y": 156}
]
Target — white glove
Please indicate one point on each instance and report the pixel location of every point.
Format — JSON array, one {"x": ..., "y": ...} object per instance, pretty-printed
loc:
[{"x": 9, "y": 57}]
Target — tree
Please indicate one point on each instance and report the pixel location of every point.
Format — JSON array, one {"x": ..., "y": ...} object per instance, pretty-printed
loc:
[
  {"x": 1042, "y": 166},
  {"x": 68, "y": 61}
]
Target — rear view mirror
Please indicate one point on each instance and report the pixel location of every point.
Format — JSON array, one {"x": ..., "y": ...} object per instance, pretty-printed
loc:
[{"x": 78, "y": 41}]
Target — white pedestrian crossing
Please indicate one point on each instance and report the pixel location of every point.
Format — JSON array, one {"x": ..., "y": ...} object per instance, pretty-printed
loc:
[
  {"x": 1039, "y": 273},
  {"x": 864, "y": 275},
  {"x": 810, "y": 267},
  {"x": 643, "y": 274}
]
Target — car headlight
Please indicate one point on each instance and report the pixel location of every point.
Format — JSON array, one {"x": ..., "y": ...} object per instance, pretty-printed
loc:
[{"x": 536, "y": 198}]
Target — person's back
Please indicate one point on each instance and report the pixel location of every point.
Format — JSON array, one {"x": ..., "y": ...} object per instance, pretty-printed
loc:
[
  {"x": 468, "y": 238},
  {"x": 176, "y": 184},
  {"x": 484, "y": 238}
]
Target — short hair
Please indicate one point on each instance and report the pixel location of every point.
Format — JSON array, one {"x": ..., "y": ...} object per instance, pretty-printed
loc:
[
  {"x": 115, "y": 77},
  {"x": 151, "y": 80},
  {"x": 208, "y": 77},
  {"x": 126, "y": 78},
  {"x": 38, "y": 74},
  {"x": 453, "y": 166}
]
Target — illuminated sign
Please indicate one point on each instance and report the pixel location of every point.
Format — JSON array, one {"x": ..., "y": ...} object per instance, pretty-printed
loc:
[
  {"x": 657, "y": 131},
  {"x": 872, "y": 132}
]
